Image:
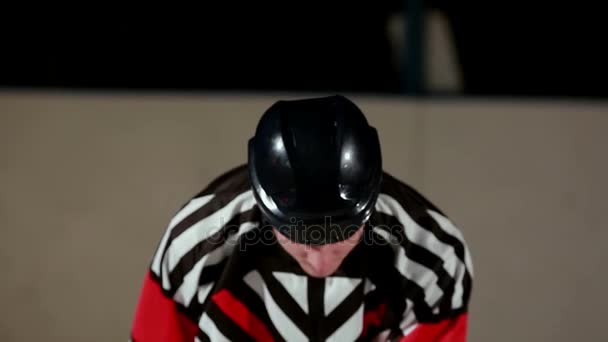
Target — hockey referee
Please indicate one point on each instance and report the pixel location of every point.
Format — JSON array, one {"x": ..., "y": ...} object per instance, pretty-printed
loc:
[{"x": 311, "y": 240}]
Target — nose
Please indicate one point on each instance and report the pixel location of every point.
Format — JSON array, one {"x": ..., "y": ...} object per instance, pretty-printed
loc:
[{"x": 319, "y": 262}]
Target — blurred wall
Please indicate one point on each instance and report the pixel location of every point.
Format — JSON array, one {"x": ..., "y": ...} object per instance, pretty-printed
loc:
[{"x": 88, "y": 183}]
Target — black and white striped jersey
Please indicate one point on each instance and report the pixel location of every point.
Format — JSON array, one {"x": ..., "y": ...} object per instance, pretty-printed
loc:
[{"x": 219, "y": 275}]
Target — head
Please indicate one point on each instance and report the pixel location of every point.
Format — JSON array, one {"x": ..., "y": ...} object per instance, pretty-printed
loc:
[
  {"x": 320, "y": 260},
  {"x": 315, "y": 167}
]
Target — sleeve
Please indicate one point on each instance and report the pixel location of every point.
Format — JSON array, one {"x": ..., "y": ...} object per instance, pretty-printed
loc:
[
  {"x": 447, "y": 330},
  {"x": 432, "y": 254},
  {"x": 450, "y": 322},
  {"x": 159, "y": 314},
  {"x": 157, "y": 317},
  {"x": 172, "y": 298}
]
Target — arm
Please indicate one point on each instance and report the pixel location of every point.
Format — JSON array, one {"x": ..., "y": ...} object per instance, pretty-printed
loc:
[
  {"x": 170, "y": 302},
  {"x": 448, "y": 330},
  {"x": 157, "y": 317},
  {"x": 431, "y": 253}
]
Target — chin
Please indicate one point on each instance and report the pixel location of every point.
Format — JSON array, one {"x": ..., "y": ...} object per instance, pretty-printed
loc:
[{"x": 316, "y": 274}]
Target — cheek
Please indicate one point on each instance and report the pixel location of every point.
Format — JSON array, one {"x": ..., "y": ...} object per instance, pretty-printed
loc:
[
  {"x": 297, "y": 252},
  {"x": 341, "y": 251}
]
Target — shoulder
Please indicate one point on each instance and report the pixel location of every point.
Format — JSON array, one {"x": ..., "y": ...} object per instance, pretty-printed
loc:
[
  {"x": 232, "y": 181},
  {"x": 226, "y": 196},
  {"x": 402, "y": 204},
  {"x": 202, "y": 232},
  {"x": 431, "y": 251},
  {"x": 407, "y": 196}
]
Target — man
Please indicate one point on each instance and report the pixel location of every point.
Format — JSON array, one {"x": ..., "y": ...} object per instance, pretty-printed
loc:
[{"x": 310, "y": 241}]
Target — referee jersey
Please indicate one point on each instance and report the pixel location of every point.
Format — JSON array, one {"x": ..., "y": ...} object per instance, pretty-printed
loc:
[{"x": 218, "y": 274}]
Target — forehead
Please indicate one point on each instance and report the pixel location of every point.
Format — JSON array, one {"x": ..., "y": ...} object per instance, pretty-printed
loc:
[{"x": 332, "y": 247}]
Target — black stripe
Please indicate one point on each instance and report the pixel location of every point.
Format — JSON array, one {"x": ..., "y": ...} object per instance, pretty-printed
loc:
[
  {"x": 203, "y": 336},
  {"x": 422, "y": 256},
  {"x": 217, "y": 203},
  {"x": 428, "y": 222},
  {"x": 417, "y": 206},
  {"x": 316, "y": 310},
  {"x": 466, "y": 290},
  {"x": 393, "y": 314},
  {"x": 156, "y": 278},
  {"x": 252, "y": 300},
  {"x": 189, "y": 312},
  {"x": 214, "y": 241},
  {"x": 393, "y": 284},
  {"x": 208, "y": 275},
  {"x": 226, "y": 325},
  {"x": 344, "y": 311},
  {"x": 195, "y": 308},
  {"x": 284, "y": 300},
  {"x": 212, "y": 273}
]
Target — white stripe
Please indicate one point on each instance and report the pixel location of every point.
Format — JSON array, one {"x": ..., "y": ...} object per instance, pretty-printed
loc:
[
  {"x": 203, "y": 292},
  {"x": 206, "y": 227},
  {"x": 451, "y": 229},
  {"x": 447, "y": 226},
  {"x": 415, "y": 233},
  {"x": 190, "y": 284},
  {"x": 296, "y": 286},
  {"x": 408, "y": 323},
  {"x": 459, "y": 272},
  {"x": 382, "y": 336},
  {"x": 209, "y": 328},
  {"x": 254, "y": 280},
  {"x": 422, "y": 237},
  {"x": 368, "y": 287},
  {"x": 288, "y": 330},
  {"x": 421, "y": 275},
  {"x": 336, "y": 290},
  {"x": 350, "y": 330},
  {"x": 191, "y": 207},
  {"x": 409, "y": 329}
]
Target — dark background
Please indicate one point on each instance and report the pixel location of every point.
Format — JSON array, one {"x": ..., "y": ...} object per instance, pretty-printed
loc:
[{"x": 503, "y": 48}]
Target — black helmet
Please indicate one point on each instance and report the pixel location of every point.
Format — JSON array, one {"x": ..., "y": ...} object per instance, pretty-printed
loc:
[{"x": 315, "y": 167}]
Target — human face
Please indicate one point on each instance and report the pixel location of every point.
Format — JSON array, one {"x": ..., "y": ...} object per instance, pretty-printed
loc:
[{"x": 320, "y": 261}]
